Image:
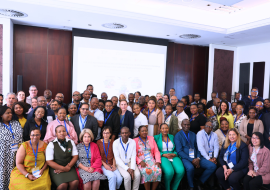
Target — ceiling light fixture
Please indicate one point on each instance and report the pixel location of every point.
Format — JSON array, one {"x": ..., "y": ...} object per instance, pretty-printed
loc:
[
  {"x": 12, "y": 13},
  {"x": 190, "y": 36},
  {"x": 114, "y": 25}
]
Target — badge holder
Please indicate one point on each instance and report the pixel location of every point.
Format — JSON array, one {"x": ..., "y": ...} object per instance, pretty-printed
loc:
[
  {"x": 147, "y": 156},
  {"x": 211, "y": 154},
  {"x": 14, "y": 147},
  {"x": 191, "y": 153},
  {"x": 36, "y": 172}
]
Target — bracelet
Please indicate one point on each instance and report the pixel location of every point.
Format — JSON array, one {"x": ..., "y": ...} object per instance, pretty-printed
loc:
[{"x": 26, "y": 175}]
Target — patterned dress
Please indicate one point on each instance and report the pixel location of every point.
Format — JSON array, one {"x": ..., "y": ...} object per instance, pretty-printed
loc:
[
  {"x": 86, "y": 176},
  {"x": 239, "y": 121},
  {"x": 151, "y": 173},
  {"x": 7, "y": 157}
]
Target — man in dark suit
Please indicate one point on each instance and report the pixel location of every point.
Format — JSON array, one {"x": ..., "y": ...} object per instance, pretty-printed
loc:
[
  {"x": 211, "y": 103},
  {"x": 83, "y": 120},
  {"x": 90, "y": 88}
]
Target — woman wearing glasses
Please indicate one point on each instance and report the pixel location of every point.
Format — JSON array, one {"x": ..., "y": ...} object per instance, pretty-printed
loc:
[{"x": 31, "y": 171}]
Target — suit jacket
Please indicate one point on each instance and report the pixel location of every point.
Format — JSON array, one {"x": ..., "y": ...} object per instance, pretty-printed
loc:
[
  {"x": 182, "y": 146},
  {"x": 113, "y": 121},
  {"x": 129, "y": 122},
  {"x": 173, "y": 125},
  {"x": 91, "y": 123},
  {"x": 241, "y": 158},
  {"x": 159, "y": 141},
  {"x": 249, "y": 102},
  {"x": 266, "y": 124},
  {"x": 258, "y": 127}
]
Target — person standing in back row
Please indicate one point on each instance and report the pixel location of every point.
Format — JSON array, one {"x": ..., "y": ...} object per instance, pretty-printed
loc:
[{"x": 251, "y": 99}]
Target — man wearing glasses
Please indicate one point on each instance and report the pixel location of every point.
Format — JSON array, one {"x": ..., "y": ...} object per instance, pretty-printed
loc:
[
  {"x": 60, "y": 98},
  {"x": 252, "y": 99},
  {"x": 32, "y": 94},
  {"x": 174, "y": 101},
  {"x": 259, "y": 106},
  {"x": 76, "y": 100}
]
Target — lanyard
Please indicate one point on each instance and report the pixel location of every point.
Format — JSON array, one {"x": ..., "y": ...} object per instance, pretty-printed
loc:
[
  {"x": 166, "y": 144},
  {"x": 106, "y": 152},
  {"x": 124, "y": 148},
  {"x": 167, "y": 117},
  {"x": 187, "y": 137},
  {"x": 150, "y": 113},
  {"x": 10, "y": 129},
  {"x": 39, "y": 127},
  {"x": 121, "y": 120},
  {"x": 238, "y": 118},
  {"x": 78, "y": 107},
  {"x": 83, "y": 122},
  {"x": 65, "y": 126},
  {"x": 185, "y": 107},
  {"x": 260, "y": 116},
  {"x": 87, "y": 152},
  {"x": 208, "y": 139},
  {"x": 144, "y": 142},
  {"x": 191, "y": 119},
  {"x": 35, "y": 153},
  {"x": 142, "y": 109},
  {"x": 223, "y": 133},
  {"x": 107, "y": 117},
  {"x": 178, "y": 114}
]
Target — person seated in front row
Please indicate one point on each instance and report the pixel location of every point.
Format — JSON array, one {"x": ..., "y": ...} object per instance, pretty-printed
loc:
[
  {"x": 31, "y": 171},
  {"x": 61, "y": 155},
  {"x": 148, "y": 159},
  {"x": 171, "y": 165},
  {"x": 233, "y": 158},
  {"x": 124, "y": 150},
  {"x": 89, "y": 161},
  {"x": 259, "y": 161},
  {"x": 187, "y": 149},
  {"x": 61, "y": 120},
  {"x": 207, "y": 142}
]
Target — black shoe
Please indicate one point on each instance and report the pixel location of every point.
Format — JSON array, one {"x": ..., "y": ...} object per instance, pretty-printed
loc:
[{"x": 199, "y": 187}]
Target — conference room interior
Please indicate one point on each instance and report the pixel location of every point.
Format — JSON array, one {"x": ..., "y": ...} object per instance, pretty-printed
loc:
[{"x": 120, "y": 47}]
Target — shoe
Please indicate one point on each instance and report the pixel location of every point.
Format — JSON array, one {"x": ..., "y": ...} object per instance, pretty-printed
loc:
[
  {"x": 191, "y": 188},
  {"x": 199, "y": 187}
]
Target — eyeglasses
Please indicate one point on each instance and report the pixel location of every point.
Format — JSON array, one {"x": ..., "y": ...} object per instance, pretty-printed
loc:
[
  {"x": 209, "y": 126},
  {"x": 254, "y": 91},
  {"x": 174, "y": 99},
  {"x": 255, "y": 138},
  {"x": 59, "y": 97},
  {"x": 76, "y": 95},
  {"x": 259, "y": 106},
  {"x": 35, "y": 135}
]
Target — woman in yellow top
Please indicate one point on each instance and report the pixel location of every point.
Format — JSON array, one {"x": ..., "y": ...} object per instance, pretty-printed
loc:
[
  {"x": 31, "y": 172},
  {"x": 19, "y": 110},
  {"x": 224, "y": 112}
]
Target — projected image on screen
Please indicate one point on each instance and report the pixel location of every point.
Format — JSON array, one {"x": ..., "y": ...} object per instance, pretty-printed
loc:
[{"x": 117, "y": 67}]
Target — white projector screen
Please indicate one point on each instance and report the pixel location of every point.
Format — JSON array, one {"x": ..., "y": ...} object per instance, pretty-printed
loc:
[{"x": 117, "y": 67}]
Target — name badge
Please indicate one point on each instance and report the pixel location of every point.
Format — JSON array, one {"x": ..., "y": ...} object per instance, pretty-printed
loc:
[
  {"x": 171, "y": 160},
  {"x": 191, "y": 153},
  {"x": 230, "y": 165},
  {"x": 147, "y": 156},
  {"x": 210, "y": 154},
  {"x": 14, "y": 147},
  {"x": 36, "y": 172},
  {"x": 126, "y": 164}
]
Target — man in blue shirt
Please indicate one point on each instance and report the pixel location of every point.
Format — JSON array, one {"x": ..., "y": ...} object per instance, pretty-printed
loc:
[{"x": 187, "y": 149}]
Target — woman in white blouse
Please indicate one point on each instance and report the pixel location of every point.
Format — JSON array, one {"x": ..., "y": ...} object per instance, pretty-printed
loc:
[{"x": 139, "y": 118}]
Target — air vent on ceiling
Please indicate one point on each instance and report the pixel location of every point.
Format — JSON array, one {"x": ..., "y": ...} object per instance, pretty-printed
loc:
[
  {"x": 114, "y": 25},
  {"x": 12, "y": 13},
  {"x": 190, "y": 36}
]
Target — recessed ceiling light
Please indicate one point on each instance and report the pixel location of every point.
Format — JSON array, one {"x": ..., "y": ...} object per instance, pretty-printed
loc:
[
  {"x": 114, "y": 25},
  {"x": 189, "y": 36},
  {"x": 208, "y": 5},
  {"x": 12, "y": 13}
]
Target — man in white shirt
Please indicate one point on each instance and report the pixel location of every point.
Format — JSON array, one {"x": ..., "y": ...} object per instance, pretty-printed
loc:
[
  {"x": 124, "y": 150},
  {"x": 95, "y": 112},
  {"x": 180, "y": 113}
]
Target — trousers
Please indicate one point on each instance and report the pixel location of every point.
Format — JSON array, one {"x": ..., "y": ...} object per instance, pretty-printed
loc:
[
  {"x": 115, "y": 179},
  {"x": 233, "y": 180}
]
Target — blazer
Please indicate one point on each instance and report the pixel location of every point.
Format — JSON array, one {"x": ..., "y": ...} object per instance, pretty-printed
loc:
[
  {"x": 173, "y": 125},
  {"x": 91, "y": 123},
  {"x": 159, "y": 141},
  {"x": 266, "y": 124},
  {"x": 31, "y": 124},
  {"x": 129, "y": 122},
  {"x": 182, "y": 146},
  {"x": 258, "y": 127},
  {"x": 113, "y": 121},
  {"x": 249, "y": 102},
  {"x": 263, "y": 162},
  {"x": 154, "y": 149},
  {"x": 241, "y": 158}
]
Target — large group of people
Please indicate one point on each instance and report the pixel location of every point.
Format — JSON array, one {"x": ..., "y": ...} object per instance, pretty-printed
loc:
[{"x": 133, "y": 139}]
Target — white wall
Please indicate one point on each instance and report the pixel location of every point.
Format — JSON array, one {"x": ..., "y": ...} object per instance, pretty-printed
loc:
[
  {"x": 7, "y": 55},
  {"x": 251, "y": 54}
]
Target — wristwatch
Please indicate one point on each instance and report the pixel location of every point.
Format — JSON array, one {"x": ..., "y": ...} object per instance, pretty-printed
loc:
[
  {"x": 199, "y": 158},
  {"x": 26, "y": 175}
]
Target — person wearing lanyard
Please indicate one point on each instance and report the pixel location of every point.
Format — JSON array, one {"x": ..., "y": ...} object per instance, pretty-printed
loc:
[
  {"x": 161, "y": 106},
  {"x": 84, "y": 120},
  {"x": 259, "y": 106},
  {"x": 239, "y": 116},
  {"x": 141, "y": 102},
  {"x": 72, "y": 109},
  {"x": 112, "y": 119},
  {"x": 61, "y": 120},
  {"x": 38, "y": 121},
  {"x": 108, "y": 162},
  {"x": 76, "y": 100},
  {"x": 233, "y": 159},
  {"x": 89, "y": 161},
  {"x": 171, "y": 165},
  {"x": 10, "y": 135},
  {"x": 250, "y": 125},
  {"x": 224, "y": 112},
  {"x": 126, "y": 117},
  {"x": 139, "y": 118},
  {"x": 180, "y": 113},
  {"x": 148, "y": 159},
  {"x": 251, "y": 99},
  {"x": 61, "y": 156},
  {"x": 197, "y": 120},
  {"x": 124, "y": 150},
  {"x": 186, "y": 148},
  {"x": 222, "y": 131},
  {"x": 31, "y": 165},
  {"x": 266, "y": 105},
  {"x": 114, "y": 100},
  {"x": 171, "y": 120}
]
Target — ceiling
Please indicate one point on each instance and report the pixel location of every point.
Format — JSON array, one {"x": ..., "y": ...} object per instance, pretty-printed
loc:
[{"x": 227, "y": 22}]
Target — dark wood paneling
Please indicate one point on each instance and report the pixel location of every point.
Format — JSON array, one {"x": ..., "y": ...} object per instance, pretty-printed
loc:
[
  {"x": 43, "y": 57},
  {"x": 223, "y": 72},
  {"x": 1, "y": 57},
  {"x": 186, "y": 69},
  {"x": 244, "y": 79},
  {"x": 258, "y": 76}
]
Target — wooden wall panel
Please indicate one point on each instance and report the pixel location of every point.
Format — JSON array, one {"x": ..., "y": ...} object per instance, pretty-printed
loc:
[
  {"x": 43, "y": 57},
  {"x": 244, "y": 79},
  {"x": 258, "y": 76},
  {"x": 1, "y": 57}
]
